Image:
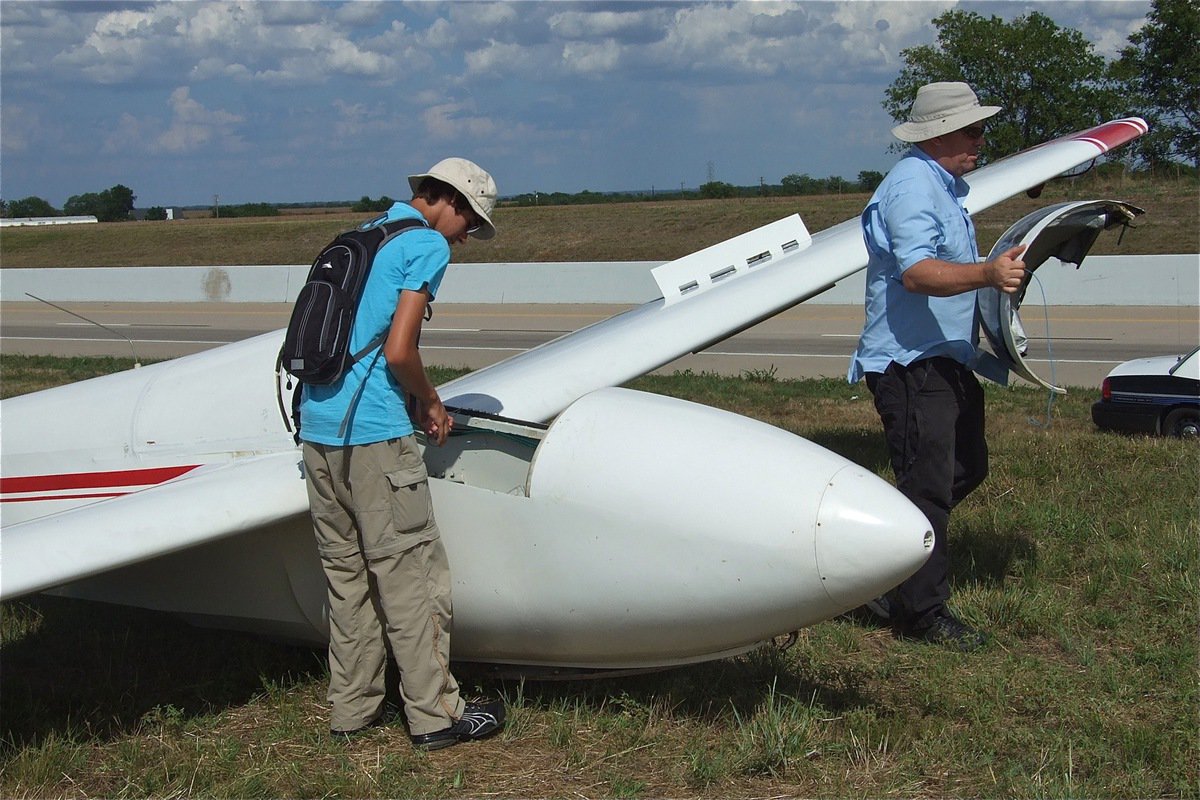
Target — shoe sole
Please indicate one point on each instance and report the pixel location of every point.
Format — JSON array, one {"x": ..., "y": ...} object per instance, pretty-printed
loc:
[{"x": 440, "y": 744}]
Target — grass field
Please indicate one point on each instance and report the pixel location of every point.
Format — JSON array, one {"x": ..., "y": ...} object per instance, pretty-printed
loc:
[
  {"x": 1079, "y": 554},
  {"x": 638, "y": 231}
]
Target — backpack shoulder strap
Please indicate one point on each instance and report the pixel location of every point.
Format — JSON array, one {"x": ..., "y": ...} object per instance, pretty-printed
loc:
[
  {"x": 397, "y": 227},
  {"x": 391, "y": 231}
]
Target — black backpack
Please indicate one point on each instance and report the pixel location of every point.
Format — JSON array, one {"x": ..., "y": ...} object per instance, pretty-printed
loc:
[{"x": 316, "y": 347}]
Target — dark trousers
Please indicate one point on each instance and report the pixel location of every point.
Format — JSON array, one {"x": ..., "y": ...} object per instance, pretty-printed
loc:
[{"x": 932, "y": 412}]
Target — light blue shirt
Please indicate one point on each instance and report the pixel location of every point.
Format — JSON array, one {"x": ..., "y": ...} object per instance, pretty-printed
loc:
[
  {"x": 414, "y": 260},
  {"x": 915, "y": 214}
]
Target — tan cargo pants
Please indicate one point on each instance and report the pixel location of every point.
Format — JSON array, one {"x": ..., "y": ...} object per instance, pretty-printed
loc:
[{"x": 388, "y": 580}]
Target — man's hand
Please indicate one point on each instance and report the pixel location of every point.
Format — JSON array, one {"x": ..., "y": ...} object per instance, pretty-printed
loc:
[
  {"x": 1007, "y": 270},
  {"x": 944, "y": 278}
]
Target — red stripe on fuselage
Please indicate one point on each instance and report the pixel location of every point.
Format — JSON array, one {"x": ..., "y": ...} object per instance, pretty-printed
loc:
[{"x": 92, "y": 480}]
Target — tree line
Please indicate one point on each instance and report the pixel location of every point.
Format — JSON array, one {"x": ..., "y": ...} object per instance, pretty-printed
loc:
[
  {"x": 788, "y": 186},
  {"x": 1049, "y": 80},
  {"x": 111, "y": 205}
]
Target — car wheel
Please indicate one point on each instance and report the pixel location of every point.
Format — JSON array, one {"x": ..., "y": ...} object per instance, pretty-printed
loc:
[{"x": 1183, "y": 423}]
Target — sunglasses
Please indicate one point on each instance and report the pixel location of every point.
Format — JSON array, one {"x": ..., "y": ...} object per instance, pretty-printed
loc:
[
  {"x": 974, "y": 132},
  {"x": 463, "y": 207}
]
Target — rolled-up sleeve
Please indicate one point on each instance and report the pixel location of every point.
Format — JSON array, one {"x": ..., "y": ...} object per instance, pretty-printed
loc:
[{"x": 912, "y": 222}]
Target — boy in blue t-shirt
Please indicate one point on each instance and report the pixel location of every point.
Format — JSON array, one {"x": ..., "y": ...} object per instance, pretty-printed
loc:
[{"x": 385, "y": 566}]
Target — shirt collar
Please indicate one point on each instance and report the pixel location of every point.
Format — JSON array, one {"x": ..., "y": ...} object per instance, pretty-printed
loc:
[{"x": 957, "y": 187}]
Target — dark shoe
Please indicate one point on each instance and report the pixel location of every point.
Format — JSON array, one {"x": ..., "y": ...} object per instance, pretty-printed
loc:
[
  {"x": 946, "y": 629},
  {"x": 881, "y": 607},
  {"x": 479, "y": 720}
]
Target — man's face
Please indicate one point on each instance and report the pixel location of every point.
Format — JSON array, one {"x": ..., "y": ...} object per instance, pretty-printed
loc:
[{"x": 958, "y": 151}]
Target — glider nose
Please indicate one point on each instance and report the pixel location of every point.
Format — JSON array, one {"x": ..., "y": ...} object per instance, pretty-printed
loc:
[{"x": 868, "y": 535}]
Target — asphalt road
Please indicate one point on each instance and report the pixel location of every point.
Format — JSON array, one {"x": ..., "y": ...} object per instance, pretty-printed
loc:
[{"x": 1070, "y": 345}]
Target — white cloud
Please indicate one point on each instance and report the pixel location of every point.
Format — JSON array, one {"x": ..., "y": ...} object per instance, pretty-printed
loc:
[
  {"x": 1108, "y": 26},
  {"x": 355, "y": 126},
  {"x": 488, "y": 16},
  {"x": 217, "y": 24},
  {"x": 214, "y": 69},
  {"x": 636, "y": 25},
  {"x": 120, "y": 46},
  {"x": 362, "y": 13},
  {"x": 20, "y": 127},
  {"x": 449, "y": 122},
  {"x": 591, "y": 57},
  {"x": 346, "y": 58},
  {"x": 500, "y": 58},
  {"x": 439, "y": 35},
  {"x": 292, "y": 12},
  {"x": 129, "y": 136},
  {"x": 193, "y": 126}
]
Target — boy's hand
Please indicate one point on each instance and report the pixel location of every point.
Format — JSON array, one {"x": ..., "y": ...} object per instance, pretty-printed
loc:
[{"x": 434, "y": 420}]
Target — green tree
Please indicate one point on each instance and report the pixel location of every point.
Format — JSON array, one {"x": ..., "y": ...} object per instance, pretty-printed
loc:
[
  {"x": 118, "y": 202},
  {"x": 111, "y": 205},
  {"x": 1160, "y": 69},
  {"x": 1048, "y": 79},
  {"x": 79, "y": 205},
  {"x": 869, "y": 180},
  {"x": 717, "y": 189},
  {"x": 31, "y": 207},
  {"x": 367, "y": 204},
  {"x": 250, "y": 210},
  {"x": 836, "y": 184},
  {"x": 156, "y": 213},
  {"x": 800, "y": 184}
]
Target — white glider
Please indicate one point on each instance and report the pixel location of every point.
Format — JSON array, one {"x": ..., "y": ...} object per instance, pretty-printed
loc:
[{"x": 587, "y": 526}]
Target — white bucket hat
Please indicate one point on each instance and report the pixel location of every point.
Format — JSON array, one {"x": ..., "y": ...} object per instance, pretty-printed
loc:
[
  {"x": 941, "y": 108},
  {"x": 472, "y": 183}
]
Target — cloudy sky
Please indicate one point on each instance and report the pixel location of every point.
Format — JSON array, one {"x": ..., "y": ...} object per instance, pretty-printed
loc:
[{"x": 302, "y": 101}]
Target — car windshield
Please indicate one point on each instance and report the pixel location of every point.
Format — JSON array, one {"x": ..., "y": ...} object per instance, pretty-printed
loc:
[{"x": 1183, "y": 360}]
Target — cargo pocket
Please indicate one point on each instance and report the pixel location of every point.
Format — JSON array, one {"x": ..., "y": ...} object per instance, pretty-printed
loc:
[{"x": 412, "y": 509}]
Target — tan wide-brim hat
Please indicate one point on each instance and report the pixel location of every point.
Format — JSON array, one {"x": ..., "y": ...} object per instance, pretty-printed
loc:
[
  {"x": 472, "y": 183},
  {"x": 942, "y": 108}
]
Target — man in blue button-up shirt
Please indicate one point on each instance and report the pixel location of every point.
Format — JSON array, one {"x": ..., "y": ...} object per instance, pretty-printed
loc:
[{"x": 918, "y": 345}]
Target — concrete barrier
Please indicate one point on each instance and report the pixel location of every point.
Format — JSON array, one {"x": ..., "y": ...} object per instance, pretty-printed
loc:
[{"x": 1161, "y": 280}]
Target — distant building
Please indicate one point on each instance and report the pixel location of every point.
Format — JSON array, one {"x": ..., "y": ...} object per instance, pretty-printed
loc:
[
  {"x": 16, "y": 221},
  {"x": 173, "y": 212}
]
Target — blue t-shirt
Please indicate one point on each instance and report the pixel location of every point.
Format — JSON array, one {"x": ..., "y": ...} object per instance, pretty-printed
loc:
[
  {"x": 414, "y": 260},
  {"x": 915, "y": 214}
]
